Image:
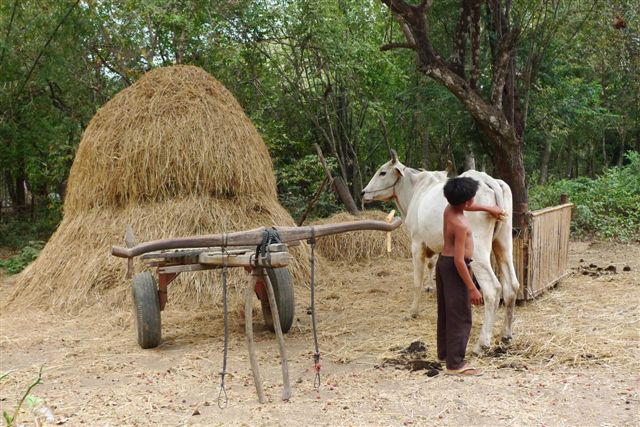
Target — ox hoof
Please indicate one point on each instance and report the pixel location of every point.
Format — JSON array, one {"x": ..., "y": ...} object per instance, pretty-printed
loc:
[
  {"x": 480, "y": 350},
  {"x": 506, "y": 340},
  {"x": 428, "y": 289},
  {"x": 411, "y": 316}
]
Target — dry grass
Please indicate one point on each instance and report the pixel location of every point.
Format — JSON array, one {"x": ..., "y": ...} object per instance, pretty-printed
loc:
[
  {"x": 362, "y": 245},
  {"x": 574, "y": 357},
  {"x": 173, "y": 155},
  {"x": 581, "y": 322}
]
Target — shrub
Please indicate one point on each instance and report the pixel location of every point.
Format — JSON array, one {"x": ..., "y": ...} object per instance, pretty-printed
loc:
[
  {"x": 27, "y": 254},
  {"x": 607, "y": 206}
]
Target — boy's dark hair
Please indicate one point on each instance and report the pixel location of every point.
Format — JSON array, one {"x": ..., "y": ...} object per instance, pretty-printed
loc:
[{"x": 459, "y": 190}]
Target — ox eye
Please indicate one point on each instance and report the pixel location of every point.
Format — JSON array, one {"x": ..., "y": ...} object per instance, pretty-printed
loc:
[{"x": 383, "y": 173}]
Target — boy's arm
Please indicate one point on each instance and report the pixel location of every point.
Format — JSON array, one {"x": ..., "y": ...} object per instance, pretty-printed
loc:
[
  {"x": 494, "y": 211},
  {"x": 458, "y": 259}
]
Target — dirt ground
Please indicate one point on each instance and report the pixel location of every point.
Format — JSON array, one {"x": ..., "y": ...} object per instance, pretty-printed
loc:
[{"x": 573, "y": 361}]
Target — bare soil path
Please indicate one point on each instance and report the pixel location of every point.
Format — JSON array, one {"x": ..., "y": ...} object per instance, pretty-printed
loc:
[{"x": 574, "y": 359}]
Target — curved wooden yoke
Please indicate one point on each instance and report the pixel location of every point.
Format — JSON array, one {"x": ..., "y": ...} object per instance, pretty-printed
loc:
[{"x": 253, "y": 237}]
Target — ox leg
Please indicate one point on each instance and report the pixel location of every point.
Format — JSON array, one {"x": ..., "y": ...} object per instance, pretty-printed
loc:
[
  {"x": 431, "y": 263},
  {"x": 491, "y": 294},
  {"x": 503, "y": 253},
  {"x": 418, "y": 275}
]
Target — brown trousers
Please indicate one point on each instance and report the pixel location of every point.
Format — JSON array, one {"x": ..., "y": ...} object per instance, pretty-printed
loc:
[{"x": 454, "y": 313}]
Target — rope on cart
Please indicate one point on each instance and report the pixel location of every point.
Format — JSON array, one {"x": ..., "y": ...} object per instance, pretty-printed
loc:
[
  {"x": 269, "y": 236},
  {"x": 316, "y": 355},
  {"x": 222, "y": 395}
]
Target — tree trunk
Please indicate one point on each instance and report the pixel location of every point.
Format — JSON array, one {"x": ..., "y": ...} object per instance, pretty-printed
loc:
[
  {"x": 425, "y": 151},
  {"x": 569, "y": 171},
  {"x": 623, "y": 136},
  {"x": 469, "y": 157},
  {"x": 544, "y": 165},
  {"x": 605, "y": 161},
  {"x": 20, "y": 194},
  {"x": 509, "y": 167},
  {"x": 499, "y": 117}
]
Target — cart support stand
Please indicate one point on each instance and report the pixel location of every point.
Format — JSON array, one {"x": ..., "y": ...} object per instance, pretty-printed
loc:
[
  {"x": 163, "y": 281},
  {"x": 286, "y": 392},
  {"x": 248, "y": 321}
]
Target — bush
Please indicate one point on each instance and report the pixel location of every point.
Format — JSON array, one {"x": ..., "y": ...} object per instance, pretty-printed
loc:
[
  {"x": 608, "y": 206},
  {"x": 27, "y": 254},
  {"x": 18, "y": 229}
]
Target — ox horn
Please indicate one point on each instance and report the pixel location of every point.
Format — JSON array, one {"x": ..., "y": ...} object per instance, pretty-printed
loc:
[
  {"x": 394, "y": 155},
  {"x": 449, "y": 167}
]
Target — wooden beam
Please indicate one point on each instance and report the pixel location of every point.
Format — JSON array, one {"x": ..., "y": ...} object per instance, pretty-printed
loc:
[{"x": 253, "y": 237}]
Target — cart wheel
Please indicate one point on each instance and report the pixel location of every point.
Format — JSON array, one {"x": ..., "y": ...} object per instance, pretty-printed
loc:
[
  {"x": 146, "y": 303},
  {"x": 283, "y": 290}
]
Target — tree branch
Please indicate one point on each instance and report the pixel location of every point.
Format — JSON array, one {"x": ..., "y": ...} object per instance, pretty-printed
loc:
[
  {"x": 460, "y": 40},
  {"x": 64, "y": 18},
  {"x": 475, "y": 43},
  {"x": 391, "y": 46},
  {"x": 425, "y": 5},
  {"x": 6, "y": 37},
  {"x": 501, "y": 65},
  {"x": 111, "y": 68},
  {"x": 414, "y": 25},
  {"x": 405, "y": 30},
  {"x": 489, "y": 115}
]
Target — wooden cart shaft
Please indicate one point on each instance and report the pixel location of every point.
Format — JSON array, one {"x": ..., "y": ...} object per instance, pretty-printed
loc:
[{"x": 253, "y": 237}]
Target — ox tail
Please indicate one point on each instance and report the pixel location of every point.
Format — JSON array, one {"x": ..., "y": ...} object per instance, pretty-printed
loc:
[
  {"x": 493, "y": 184},
  {"x": 502, "y": 194},
  {"x": 498, "y": 190},
  {"x": 507, "y": 204}
]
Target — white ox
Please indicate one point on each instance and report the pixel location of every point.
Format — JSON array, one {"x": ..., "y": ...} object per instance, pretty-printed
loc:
[{"x": 420, "y": 199}]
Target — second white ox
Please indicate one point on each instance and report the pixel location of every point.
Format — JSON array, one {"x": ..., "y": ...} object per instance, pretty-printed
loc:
[{"x": 420, "y": 199}]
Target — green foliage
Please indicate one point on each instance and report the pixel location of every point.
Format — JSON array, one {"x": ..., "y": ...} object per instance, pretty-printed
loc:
[
  {"x": 607, "y": 206},
  {"x": 10, "y": 420},
  {"x": 17, "y": 230},
  {"x": 311, "y": 71},
  {"x": 298, "y": 183},
  {"x": 27, "y": 254}
]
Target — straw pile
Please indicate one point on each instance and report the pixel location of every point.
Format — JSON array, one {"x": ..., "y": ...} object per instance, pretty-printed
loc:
[
  {"x": 362, "y": 245},
  {"x": 173, "y": 155}
]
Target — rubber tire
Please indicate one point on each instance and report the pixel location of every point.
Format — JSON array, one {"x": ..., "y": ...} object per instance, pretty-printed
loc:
[
  {"x": 146, "y": 305},
  {"x": 283, "y": 290}
]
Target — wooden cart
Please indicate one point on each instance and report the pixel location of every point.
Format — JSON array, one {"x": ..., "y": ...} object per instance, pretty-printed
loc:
[
  {"x": 150, "y": 296},
  {"x": 263, "y": 252}
]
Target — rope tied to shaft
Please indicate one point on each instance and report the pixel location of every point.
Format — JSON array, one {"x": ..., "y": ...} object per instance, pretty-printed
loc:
[
  {"x": 269, "y": 236},
  {"x": 316, "y": 354},
  {"x": 222, "y": 394}
]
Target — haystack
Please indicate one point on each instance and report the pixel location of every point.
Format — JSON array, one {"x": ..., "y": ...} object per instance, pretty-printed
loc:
[
  {"x": 173, "y": 155},
  {"x": 362, "y": 245}
]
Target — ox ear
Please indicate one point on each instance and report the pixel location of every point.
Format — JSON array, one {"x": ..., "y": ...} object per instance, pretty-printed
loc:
[
  {"x": 398, "y": 171},
  {"x": 394, "y": 155}
]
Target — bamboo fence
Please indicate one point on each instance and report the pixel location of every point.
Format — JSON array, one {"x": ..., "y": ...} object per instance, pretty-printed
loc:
[{"x": 541, "y": 252}]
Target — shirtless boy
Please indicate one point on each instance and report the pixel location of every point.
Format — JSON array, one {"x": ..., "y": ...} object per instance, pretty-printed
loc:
[{"x": 454, "y": 283}]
